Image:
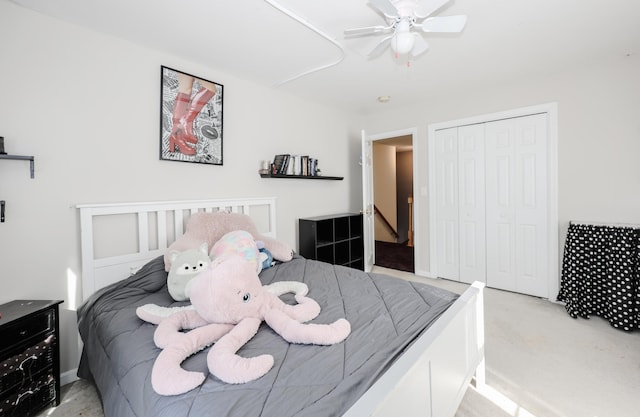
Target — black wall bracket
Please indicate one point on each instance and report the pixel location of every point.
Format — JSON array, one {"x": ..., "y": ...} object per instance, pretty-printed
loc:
[
  {"x": 24, "y": 158},
  {"x": 1, "y": 211}
]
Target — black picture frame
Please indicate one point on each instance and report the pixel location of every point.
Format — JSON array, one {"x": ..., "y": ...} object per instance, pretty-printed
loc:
[{"x": 191, "y": 123}]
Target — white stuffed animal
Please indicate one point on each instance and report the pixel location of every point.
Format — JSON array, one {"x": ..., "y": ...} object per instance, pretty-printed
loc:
[{"x": 184, "y": 267}]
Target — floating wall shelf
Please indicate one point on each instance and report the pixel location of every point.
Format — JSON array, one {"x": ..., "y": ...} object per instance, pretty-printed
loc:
[
  {"x": 23, "y": 158},
  {"x": 304, "y": 177}
]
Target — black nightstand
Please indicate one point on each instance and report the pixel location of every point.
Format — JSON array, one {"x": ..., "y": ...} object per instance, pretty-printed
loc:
[{"x": 29, "y": 357}]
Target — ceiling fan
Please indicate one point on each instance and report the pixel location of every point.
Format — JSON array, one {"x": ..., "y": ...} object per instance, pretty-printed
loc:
[{"x": 405, "y": 20}]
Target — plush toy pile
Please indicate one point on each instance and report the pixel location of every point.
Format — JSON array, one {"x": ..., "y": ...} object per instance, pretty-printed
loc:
[
  {"x": 209, "y": 228},
  {"x": 228, "y": 303},
  {"x": 211, "y": 235}
]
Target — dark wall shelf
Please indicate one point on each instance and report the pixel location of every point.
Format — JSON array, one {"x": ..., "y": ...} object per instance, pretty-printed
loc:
[
  {"x": 23, "y": 158},
  {"x": 336, "y": 239},
  {"x": 305, "y": 177}
]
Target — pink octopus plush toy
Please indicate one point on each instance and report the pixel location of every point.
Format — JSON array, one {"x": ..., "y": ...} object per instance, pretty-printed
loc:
[{"x": 230, "y": 304}]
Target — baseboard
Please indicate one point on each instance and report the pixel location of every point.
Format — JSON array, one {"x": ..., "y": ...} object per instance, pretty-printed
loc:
[
  {"x": 68, "y": 377},
  {"x": 426, "y": 274}
]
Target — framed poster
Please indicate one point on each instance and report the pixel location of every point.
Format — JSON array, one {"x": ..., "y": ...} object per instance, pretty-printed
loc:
[{"x": 190, "y": 118}]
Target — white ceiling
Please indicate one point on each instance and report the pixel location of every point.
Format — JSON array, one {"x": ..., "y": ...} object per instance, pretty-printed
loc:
[{"x": 256, "y": 40}]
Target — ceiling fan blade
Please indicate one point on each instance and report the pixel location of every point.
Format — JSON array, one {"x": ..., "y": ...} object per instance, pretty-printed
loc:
[
  {"x": 385, "y": 6},
  {"x": 371, "y": 30},
  {"x": 444, "y": 24},
  {"x": 384, "y": 43},
  {"x": 426, "y": 8},
  {"x": 420, "y": 46}
]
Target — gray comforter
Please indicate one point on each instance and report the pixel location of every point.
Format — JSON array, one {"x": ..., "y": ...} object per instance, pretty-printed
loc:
[{"x": 386, "y": 315}]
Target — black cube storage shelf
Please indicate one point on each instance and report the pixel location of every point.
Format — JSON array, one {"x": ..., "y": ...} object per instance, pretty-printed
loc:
[{"x": 335, "y": 239}]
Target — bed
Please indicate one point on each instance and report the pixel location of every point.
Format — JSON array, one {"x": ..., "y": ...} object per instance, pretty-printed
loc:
[{"x": 413, "y": 349}]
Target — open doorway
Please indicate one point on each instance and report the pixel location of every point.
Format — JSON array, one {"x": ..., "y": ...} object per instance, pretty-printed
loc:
[{"x": 393, "y": 202}]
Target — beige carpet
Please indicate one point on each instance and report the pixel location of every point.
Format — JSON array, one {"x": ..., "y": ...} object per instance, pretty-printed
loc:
[
  {"x": 540, "y": 363},
  {"x": 78, "y": 399}
]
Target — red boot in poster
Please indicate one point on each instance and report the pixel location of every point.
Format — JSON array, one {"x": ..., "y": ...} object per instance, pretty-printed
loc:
[
  {"x": 178, "y": 137},
  {"x": 198, "y": 101}
]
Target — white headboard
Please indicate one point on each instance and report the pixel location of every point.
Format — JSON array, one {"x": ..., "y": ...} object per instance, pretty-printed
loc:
[{"x": 109, "y": 228}]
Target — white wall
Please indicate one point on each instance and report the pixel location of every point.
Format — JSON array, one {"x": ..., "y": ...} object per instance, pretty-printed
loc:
[
  {"x": 384, "y": 191},
  {"x": 87, "y": 106},
  {"x": 598, "y": 136},
  {"x": 404, "y": 187}
]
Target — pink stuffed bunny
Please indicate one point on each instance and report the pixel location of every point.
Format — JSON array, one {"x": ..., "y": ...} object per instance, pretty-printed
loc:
[{"x": 230, "y": 304}]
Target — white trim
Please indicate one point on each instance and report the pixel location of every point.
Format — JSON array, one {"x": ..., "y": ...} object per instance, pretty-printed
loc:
[
  {"x": 552, "y": 184},
  {"x": 431, "y": 166},
  {"x": 393, "y": 134},
  {"x": 69, "y": 377},
  {"x": 413, "y": 132},
  {"x": 551, "y": 109}
]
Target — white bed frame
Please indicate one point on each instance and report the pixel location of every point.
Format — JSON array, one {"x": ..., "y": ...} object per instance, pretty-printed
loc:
[{"x": 429, "y": 379}]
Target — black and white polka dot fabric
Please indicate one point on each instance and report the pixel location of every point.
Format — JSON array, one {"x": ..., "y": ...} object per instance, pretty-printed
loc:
[{"x": 600, "y": 274}]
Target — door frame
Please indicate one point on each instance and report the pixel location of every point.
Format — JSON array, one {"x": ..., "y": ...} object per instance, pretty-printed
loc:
[
  {"x": 551, "y": 109},
  {"x": 413, "y": 132}
]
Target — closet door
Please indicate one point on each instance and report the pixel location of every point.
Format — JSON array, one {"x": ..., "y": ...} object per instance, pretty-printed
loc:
[
  {"x": 446, "y": 195},
  {"x": 460, "y": 203},
  {"x": 516, "y": 210},
  {"x": 471, "y": 203}
]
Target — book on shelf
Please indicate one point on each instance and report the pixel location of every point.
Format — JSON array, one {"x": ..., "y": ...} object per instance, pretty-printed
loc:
[
  {"x": 291, "y": 165},
  {"x": 285, "y": 164},
  {"x": 278, "y": 163},
  {"x": 300, "y": 165},
  {"x": 312, "y": 166}
]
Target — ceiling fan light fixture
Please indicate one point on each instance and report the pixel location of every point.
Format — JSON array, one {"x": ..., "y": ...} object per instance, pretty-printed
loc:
[
  {"x": 402, "y": 43},
  {"x": 403, "y": 39},
  {"x": 403, "y": 19}
]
